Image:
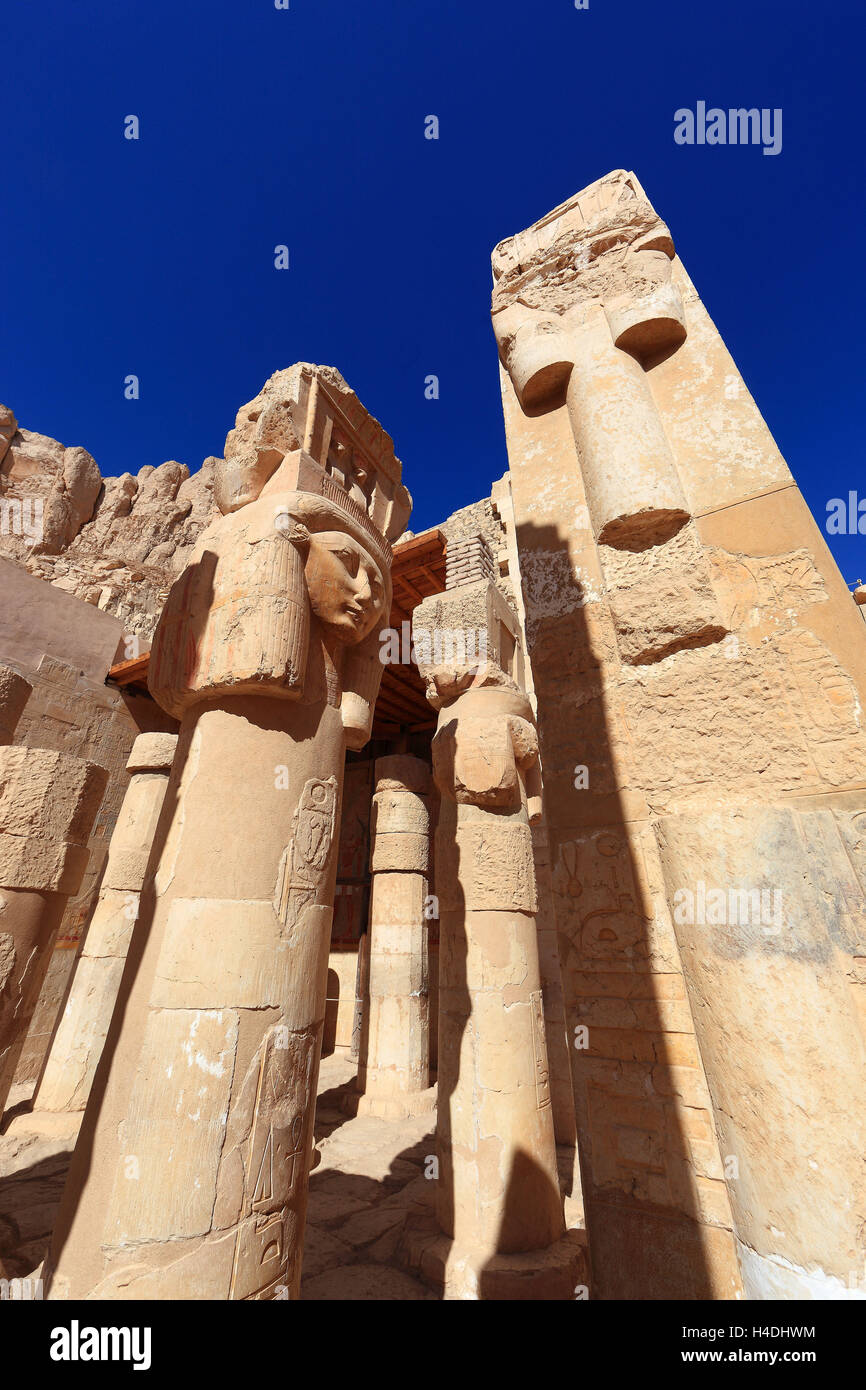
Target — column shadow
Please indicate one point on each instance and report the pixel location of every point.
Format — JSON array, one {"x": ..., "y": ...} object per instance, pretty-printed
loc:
[{"x": 651, "y": 1190}]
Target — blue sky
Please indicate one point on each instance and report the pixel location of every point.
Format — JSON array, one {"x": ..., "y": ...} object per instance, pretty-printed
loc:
[{"x": 305, "y": 127}]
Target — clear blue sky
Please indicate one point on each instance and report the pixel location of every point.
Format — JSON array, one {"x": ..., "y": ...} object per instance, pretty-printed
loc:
[{"x": 306, "y": 127}]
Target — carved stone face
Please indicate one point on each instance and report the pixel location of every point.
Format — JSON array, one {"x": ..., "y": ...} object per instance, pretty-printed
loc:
[{"x": 346, "y": 587}]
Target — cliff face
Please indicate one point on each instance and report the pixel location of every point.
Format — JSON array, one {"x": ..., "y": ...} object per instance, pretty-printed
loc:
[{"x": 117, "y": 543}]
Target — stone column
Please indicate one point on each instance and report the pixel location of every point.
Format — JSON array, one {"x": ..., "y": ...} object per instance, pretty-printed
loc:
[
  {"x": 81, "y": 1033},
  {"x": 190, "y": 1175},
  {"x": 14, "y": 692},
  {"x": 362, "y": 985},
  {"x": 395, "y": 1074},
  {"x": 48, "y": 803},
  {"x": 498, "y": 1197},
  {"x": 762, "y": 932}
]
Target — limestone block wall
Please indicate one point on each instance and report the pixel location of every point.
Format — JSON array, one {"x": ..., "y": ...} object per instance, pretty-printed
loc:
[{"x": 700, "y": 670}]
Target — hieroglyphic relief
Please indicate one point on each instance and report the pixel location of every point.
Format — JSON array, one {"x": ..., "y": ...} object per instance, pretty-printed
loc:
[
  {"x": 279, "y": 1146},
  {"x": 539, "y": 1049},
  {"x": 611, "y": 907},
  {"x": 760, "y": 588},
  {"x": 304, "y": 865}
]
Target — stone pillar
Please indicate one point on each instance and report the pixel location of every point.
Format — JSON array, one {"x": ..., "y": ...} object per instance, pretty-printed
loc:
[
  {"x": 499, "y": 1204},
  {"x": 699, "y": 663},
  {"x": 395, "y": 1072},
  {"x": 14, "y": 692},
  {"x": 48, "y": 803},
  {"x": 780, "y": 1036},
  {"x": 362, "y": 987},
  {"x": 80, "y": 1035},
  {"x": 190, "y": 1175}
]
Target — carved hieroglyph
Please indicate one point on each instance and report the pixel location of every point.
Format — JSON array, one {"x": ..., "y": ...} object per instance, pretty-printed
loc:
[
  {"x": 195, "y": 1148},
  {"x": 696, "y": 653}
]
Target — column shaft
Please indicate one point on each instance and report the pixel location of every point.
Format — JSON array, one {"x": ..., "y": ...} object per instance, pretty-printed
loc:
[
  {"x": 395, "y": 1072},
  {"x": 81, "y": 1032},
  {"x": 200, "y": 1191}
]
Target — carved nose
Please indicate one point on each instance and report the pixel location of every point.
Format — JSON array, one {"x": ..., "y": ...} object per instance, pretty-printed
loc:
[{"x": 363, "y": 591}]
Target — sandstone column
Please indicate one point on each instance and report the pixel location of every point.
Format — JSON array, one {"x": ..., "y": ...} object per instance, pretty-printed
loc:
[
  {"x": 79, "y": 1038},
  {"x": 498, "y": 1197},
  {"x": 694, "y": 645},
  {"x": 190, "y": 1175},
  {"x": 14, "y": 692},
  {"x": 362, "y": 986},
  {"x": 48, "y": 803},
  {"x": 395, "y": 1076}
]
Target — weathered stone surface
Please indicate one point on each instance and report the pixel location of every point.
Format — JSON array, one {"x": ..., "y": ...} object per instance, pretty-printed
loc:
[
  {"x": 14, "y": 693},
  {"x": 752, "y": 932},
  {"x": 47, "y": 797},
  {"x": 113, "y": 542},
  {"x": 48, "y": 802}
]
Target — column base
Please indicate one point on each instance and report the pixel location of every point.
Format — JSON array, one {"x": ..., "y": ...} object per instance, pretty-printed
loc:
[
  {"x": 558, "y": 1273},
  {"x": 398, "y": 1107}
]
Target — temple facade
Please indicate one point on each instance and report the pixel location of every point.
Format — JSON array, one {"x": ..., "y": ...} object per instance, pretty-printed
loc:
[{"x": 473, "y": 913}]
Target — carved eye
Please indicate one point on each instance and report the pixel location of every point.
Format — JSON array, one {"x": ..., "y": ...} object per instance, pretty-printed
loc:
[{"x": 350, "y": 559}]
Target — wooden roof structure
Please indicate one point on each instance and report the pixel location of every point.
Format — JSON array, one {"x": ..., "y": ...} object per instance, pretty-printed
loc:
[{"x": 417, "y": 570}]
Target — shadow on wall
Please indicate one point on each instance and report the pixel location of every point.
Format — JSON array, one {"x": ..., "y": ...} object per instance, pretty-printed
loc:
[{"x": 636, "y": 1071}]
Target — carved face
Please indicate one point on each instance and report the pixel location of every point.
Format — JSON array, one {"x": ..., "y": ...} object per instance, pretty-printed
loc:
[{"x": 345, "y": 585}]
